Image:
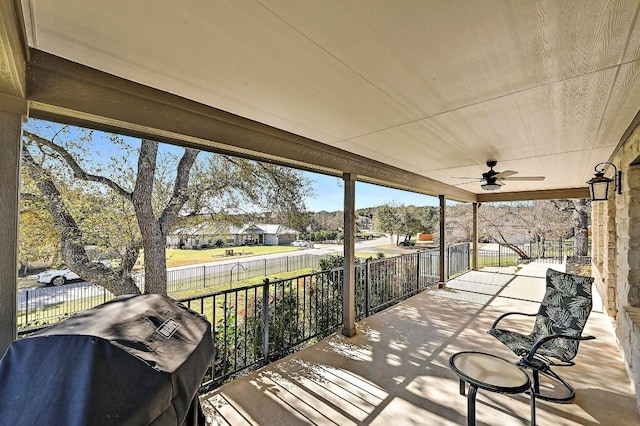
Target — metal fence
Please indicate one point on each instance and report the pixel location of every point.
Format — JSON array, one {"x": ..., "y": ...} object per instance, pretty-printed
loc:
[
  {"x": 458, "y": 259},
  {"x": 260, "y": 323},
  {"x": 39, "y": 306},
  {"x": 555, "y": 251},
  {"x": 42, "y": 305},
  {"x": 223, "y": 276}
]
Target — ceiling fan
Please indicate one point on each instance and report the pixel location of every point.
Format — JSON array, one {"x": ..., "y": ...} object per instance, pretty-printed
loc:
[{"x": 493, "y": 180}]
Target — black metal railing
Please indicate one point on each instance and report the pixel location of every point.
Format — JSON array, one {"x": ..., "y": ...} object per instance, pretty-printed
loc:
[
  {"x": 257, "y": 324},
  {"x": 458, "y": 259},
  {"x": 42, "y": 305},
  {"x": 554, "y": 251}
]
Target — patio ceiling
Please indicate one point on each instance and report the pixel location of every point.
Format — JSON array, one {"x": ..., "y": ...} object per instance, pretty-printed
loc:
[{"x": 405, "y": 93}]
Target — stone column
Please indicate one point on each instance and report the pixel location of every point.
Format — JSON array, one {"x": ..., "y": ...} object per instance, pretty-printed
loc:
[
  {"x": 597, "y": 235},
  {"x": 628, "y": 247},
  {"x": 609, "y": 254}
]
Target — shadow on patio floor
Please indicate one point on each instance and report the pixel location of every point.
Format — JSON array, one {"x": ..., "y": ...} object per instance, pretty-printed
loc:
[{"x": 395, "y": 370}]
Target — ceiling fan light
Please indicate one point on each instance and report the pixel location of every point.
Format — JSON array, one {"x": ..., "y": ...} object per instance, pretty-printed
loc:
[{"x": 491, "y": 186}]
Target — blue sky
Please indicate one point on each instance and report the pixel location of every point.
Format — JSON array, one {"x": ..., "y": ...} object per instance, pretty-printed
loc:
[{"x": 329, "y": 195}]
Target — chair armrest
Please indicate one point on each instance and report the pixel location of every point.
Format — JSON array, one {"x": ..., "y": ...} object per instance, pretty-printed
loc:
[
  {"x": 545, "y": 339},
  {"x": 495, "y": 323}
]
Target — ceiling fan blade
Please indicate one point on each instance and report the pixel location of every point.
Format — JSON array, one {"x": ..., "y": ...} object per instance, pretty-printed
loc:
[
  {"x": 476, "y": 179},
  {"x": 505, "y": 174},
  {"x": 471, "y": 181},
  {"x": 524, "y": 178}
]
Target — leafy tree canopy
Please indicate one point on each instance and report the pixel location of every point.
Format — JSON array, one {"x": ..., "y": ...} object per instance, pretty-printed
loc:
[{"x": 123, "y": 195}]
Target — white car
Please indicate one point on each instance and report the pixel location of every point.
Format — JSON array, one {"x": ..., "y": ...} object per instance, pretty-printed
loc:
[
  {"x": 57, "y": 276},
  {"x": 300, "y": 243}
]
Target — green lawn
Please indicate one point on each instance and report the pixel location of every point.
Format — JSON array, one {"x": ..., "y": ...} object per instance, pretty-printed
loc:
[
  {"x": 237, "y": 284},
  {"x": 177, "y": 257}
]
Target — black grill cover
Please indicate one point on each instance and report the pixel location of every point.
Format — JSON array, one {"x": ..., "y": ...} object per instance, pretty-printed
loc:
[{"x": 136, "y": 360}]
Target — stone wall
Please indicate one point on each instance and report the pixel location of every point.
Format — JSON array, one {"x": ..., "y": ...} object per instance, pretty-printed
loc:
[{"x": 616, "y": 261}]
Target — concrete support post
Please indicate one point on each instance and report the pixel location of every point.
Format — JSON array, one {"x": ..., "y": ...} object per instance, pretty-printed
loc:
[
  {"x": 349, "y": 283},
  {"x": 10, "y": 142},
  {"x": 443, "y": 242},
  {"x": 474, "y": 241}
]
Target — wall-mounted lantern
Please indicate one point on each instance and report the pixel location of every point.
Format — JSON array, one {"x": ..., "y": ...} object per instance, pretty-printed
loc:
[{"x": 599, "y": 184}]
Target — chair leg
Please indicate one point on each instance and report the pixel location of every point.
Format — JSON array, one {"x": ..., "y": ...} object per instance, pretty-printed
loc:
[{"x": 568, "y": 395}]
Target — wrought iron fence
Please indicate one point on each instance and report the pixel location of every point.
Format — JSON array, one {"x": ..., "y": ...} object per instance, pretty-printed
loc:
[
  {"x": 38, "y": 306},
  {"x": 257, "y": 324},
  {"x": 458, "y": 259},
  {"x": 384, "y": 282},
  {"x": 389, "y": 279},
  {"x": 555, "y": 251}
]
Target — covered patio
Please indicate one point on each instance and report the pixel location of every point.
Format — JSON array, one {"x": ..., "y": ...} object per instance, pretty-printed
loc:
[
  {"x": 418, "y": 96},
  {"x": 395, "y": 370}
]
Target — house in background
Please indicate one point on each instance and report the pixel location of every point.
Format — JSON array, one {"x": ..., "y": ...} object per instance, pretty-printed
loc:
[{"x": 206, "y": 234}]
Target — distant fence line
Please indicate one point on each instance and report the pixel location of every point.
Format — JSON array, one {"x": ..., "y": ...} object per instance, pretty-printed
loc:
[{"x": 219, "y": 275}]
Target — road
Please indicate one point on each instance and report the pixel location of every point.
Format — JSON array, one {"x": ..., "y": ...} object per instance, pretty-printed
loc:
[{"x": 41, "y": 296}]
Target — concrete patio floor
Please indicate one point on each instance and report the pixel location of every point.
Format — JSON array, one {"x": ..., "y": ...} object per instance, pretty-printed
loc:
[{"x": 395, "y": 371}]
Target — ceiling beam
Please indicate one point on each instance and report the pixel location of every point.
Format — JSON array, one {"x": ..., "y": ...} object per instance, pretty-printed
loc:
[
  {"x": 65, "y": 91},
  {"x": 551, "y": 194}
]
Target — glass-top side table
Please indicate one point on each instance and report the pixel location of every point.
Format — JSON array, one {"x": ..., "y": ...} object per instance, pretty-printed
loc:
[{"x": 491, "y": 373}]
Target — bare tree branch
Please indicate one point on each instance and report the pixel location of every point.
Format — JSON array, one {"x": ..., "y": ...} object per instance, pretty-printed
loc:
[
  {"x": 180, "y": 193},
  {"x": 78, "y": 171}
]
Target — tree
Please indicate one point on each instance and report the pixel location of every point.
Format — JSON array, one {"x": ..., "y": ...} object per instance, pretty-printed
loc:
[
  {"x": 410, "y": 222},
  {"x": 396, "y": 218},
  {"x": 326, "y": 221},
  {"x": 386, "y": 219},
  {"x": 540, "y": 220},
  {"x": 39, "y": 239},
  {"x": 459, "y": 223},
  {"x": 503, "y": 224},
  {"x": 143, "y": 198},
  {"x": 581, "y": 212}
]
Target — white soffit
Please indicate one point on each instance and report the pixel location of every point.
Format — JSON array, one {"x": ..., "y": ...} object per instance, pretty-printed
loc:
[{"x": 433, "y": 87}]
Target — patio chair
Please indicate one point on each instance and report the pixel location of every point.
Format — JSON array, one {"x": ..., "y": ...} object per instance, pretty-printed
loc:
[{"x": 556, "y": 334}]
